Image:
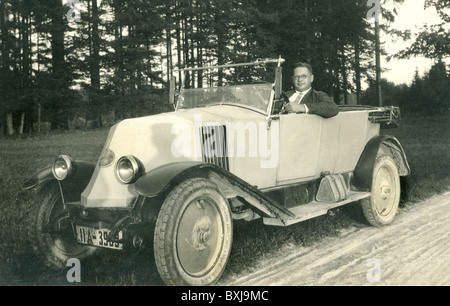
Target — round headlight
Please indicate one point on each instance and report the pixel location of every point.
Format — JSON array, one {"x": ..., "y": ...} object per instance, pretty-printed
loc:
[
  {"x": 128, "y": 169},
  {"x": 63, "y": 167}
]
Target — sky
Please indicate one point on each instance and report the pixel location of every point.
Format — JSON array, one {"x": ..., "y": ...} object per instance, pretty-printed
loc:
[{"x": 411, "y": 16}]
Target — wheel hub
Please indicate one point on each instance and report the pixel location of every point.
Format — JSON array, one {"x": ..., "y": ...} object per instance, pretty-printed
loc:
[
  {"x": 385, "y": 191},
  {"x": 201, "y": 234},
  {"x": 204, "y": 236},
  {"x": 384, "y": 198}
]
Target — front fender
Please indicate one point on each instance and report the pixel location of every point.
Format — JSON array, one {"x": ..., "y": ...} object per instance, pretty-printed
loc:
[
  {"x": 72, "y": 187},
  {"x": 41, "y": 176},
  {"x": 164, "y": 178},
  {"x": 363, "y": 173}
]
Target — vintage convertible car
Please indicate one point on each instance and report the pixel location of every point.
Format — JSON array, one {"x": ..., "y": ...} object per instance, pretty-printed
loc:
[{"x": 180, "y": 179}]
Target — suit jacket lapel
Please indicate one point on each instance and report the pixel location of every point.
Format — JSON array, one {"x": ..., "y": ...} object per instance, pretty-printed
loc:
[{"x": 308, "y": 97}]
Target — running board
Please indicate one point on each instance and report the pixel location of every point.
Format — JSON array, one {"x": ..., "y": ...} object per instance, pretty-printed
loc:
[{"x": 315, "y": 209}]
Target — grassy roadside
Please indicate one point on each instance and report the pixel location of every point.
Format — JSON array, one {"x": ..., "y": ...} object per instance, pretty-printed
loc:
[{"x": 425, "y": 140}]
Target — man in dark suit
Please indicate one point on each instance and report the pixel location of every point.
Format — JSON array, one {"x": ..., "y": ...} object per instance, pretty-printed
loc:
[{"x": 304, "y": 99}]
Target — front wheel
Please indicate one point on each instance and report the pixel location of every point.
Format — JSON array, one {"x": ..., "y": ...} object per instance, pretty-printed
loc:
[
  {"x": 193, "y": 234},
  {"x": 50, "y": 232},
  {"x": 381, "y": 208}
]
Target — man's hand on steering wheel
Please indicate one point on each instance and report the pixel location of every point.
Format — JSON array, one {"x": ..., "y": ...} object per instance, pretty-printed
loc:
[
  {"x": 289, "y": 107},
  {"x": 295, "y": 108}
]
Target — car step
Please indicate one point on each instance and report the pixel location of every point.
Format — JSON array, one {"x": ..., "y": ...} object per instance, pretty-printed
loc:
[{"x": 314, "y": 209}]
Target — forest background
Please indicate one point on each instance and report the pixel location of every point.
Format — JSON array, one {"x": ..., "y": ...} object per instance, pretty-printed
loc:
[{"x": 87, "y": 64}]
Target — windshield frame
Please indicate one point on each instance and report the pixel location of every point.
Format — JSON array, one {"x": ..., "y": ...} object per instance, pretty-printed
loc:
[{"x": 182, "y": 77}]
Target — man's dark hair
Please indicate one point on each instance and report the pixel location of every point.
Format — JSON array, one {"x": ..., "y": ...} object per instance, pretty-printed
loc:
[{"x": 303, "y": 64}]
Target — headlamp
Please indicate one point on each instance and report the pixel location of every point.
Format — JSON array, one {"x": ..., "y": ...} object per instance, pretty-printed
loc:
[
  {"x": 63, "y": 167},
  {"x": 128, "y": 169}
]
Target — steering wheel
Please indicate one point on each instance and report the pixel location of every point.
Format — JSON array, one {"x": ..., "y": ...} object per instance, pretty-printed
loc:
[{"x": 285, "y": 101}]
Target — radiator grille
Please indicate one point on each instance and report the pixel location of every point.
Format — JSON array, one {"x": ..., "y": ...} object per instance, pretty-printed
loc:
[{"x": 214, "y": 145}]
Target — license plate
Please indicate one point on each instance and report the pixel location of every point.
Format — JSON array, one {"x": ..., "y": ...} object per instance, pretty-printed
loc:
[{"x": 97, "y": 237}]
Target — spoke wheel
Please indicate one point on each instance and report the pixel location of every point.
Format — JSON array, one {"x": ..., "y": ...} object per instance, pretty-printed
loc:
[
  {"x": 381, "y": 208},
  {"x": 193, "y": 234}
]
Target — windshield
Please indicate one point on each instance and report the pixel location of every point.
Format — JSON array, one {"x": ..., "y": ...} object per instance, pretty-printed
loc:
[{"x": 255, "y": 96}]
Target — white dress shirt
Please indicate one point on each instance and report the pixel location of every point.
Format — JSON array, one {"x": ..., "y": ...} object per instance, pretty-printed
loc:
[{"x": 300, "y": 94}]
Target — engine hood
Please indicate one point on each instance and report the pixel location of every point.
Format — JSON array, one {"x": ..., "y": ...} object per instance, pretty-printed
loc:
[{"x": 154, "y": 140}]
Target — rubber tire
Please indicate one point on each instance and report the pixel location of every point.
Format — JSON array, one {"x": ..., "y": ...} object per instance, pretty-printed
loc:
[
  {"x": 53, "y": 250},
  {"x": 384, "y": 165},
  {"x": 169, "y": 256}
]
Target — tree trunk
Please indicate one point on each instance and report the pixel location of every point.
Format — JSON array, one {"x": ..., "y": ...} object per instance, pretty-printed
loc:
[
  {"x": 378, "y": 63},
  {"x": 358, "y": 72},
  {"x": 169, "y": 43},
  {"x": 168, "y": 55},
  {"x": 199, "y": 43},
  {"x": 344, "y": 76},
  {"x": 186, "y": 56},
  {"x": 95, "y": 64},
  {"x": 57, "y": 40},
  {"x": 9, "y": 124},
  {"x": 221, "y": 45},
  {"x": 178, "y": 34},
  {"x": 118, "y": 62},
  {"x": 58, "y": 65},
  {"x": 5, "y": 88},
  {"x": 39, "y": 118},
  {"x": 22, "y": 121},
  {"x": 192, "y": 43}
]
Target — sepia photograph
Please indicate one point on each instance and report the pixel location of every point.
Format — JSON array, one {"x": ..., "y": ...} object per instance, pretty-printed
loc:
[{"x": 224, "y": 144}]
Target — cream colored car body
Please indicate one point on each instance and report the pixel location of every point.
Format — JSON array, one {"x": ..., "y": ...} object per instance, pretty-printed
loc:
[{"x": 307, "y": 146}]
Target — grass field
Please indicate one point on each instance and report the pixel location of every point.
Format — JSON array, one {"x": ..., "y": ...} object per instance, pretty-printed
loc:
[{"x": 425, "y": 140}]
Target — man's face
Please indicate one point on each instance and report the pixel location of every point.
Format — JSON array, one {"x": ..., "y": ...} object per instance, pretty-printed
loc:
[{"x": 302, "y": 79}]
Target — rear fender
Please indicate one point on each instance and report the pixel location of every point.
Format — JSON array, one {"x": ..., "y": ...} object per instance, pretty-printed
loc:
[
  {"x": 72, "y": 187},
  {"x": 363, "y": 174},
  {"x": 163, "y": 179}
]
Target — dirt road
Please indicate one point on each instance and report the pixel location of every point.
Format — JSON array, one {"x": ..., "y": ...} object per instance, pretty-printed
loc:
[{"x": 414, "y": 250}]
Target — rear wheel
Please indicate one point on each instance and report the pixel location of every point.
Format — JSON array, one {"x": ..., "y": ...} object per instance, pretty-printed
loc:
[
  {"x": 50, "y": 232},
  {"x": 193, "y": 234},
  {"x": 381, "y": 208}
]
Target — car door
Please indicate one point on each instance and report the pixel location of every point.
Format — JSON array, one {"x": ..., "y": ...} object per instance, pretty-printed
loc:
[
  {"x": 311, "y": 146},
  {"x": 300, "y": 136}
]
